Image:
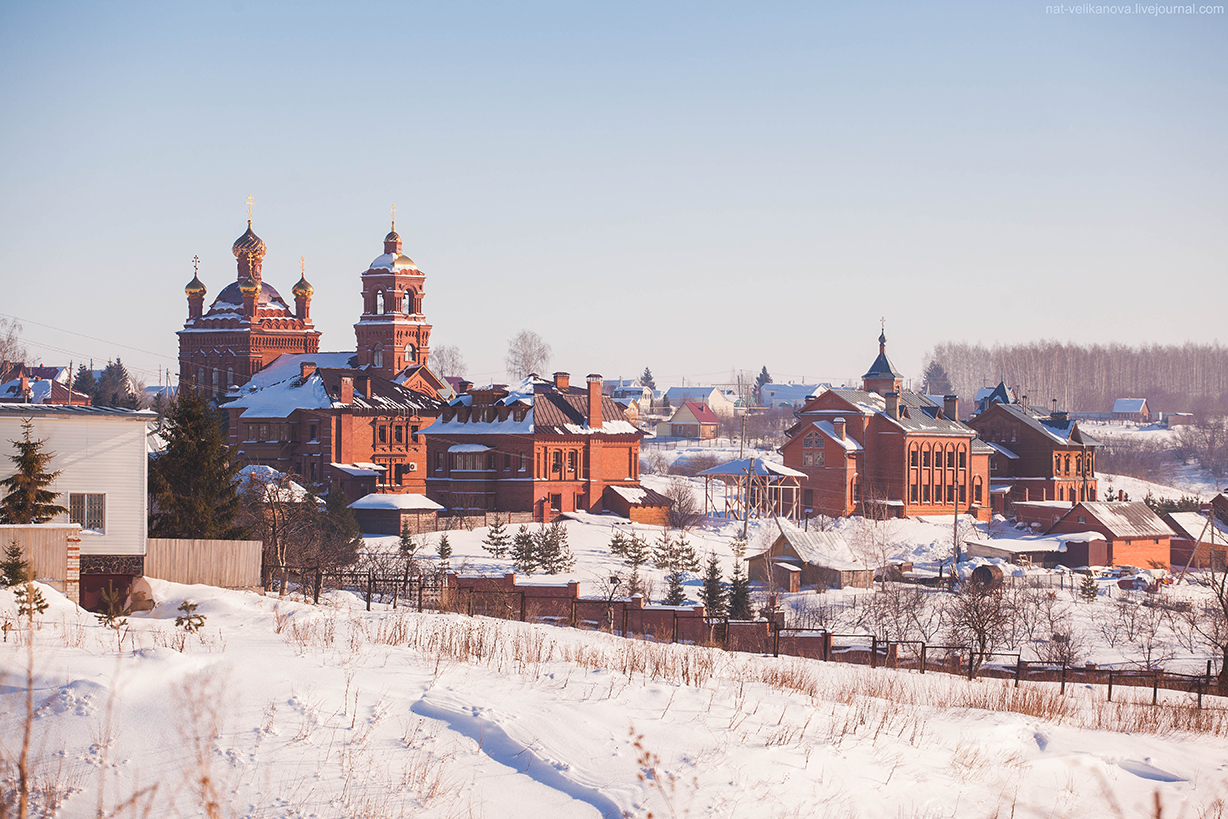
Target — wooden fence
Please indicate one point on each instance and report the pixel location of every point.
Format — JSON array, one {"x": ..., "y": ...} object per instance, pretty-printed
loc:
[
  {"x": 54, "y": 552},
  {"x": 230, "y": 564}
]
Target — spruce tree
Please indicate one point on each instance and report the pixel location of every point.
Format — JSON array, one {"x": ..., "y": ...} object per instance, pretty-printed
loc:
[
  {"x": 497, "y": 539},
  {"x": 30, "y": 600},
  {"x": 937, "y": 382},
  {"x": 444, "y": 549},
  {"x": 676, "y": 558},
  {"x": 15, "y": 569},
  {"x": 409, "y": 546},
  {"x": 1088, "y": 589},
  {"x": 341, "y": 534},
  {"x": 114, "y": 387},
  {"x": 553, "y": 551},
  {"x": 764, "y": 377},
  {"x": 193, "y": 482},
  {"x": 646, "y": 380},
  {"x": 714, "y": 592},
  {"x": 739, "y": 583},
  {"x": 28, "y": 499},
  {"x": 633, "y": 551},
  {"x": 84, "y": 381},
  {"x": 524, "y": 551}
]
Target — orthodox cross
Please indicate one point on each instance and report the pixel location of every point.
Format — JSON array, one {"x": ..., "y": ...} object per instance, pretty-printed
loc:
[
  {"x": 196, "y": 265},
  {"x": 882, "y": 324},
  {"x": 394, "y": 217},
  {"x": 302, "y": 265},
  {"x": 250, "y": 202}
]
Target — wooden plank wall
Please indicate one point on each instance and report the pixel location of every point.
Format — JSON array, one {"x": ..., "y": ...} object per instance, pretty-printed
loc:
[
  {"x": 47, "y": 548},
  {"x": 230, "y": 564}
]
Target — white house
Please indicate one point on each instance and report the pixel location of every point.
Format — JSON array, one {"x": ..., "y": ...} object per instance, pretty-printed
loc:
[
  {"x": 101, "y": 456},
  {"x": 722, "y": 402}
]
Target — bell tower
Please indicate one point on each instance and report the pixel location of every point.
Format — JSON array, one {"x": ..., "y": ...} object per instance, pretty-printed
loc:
[
  {"x": 882, "y": 376},
  {"x": 392, "y": 333}
]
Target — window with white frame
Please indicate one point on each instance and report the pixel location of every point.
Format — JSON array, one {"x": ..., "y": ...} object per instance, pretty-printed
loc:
[{"x": 89, "y": 510}]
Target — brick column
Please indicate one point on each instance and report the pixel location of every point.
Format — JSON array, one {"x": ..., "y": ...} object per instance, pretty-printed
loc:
[{"x": 72, "y": 572}]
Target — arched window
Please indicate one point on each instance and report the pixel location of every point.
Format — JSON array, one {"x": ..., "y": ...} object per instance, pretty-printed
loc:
[
  {"x": 377, "y": 356},
  {"x": 411, "y": 354},
  {"x": 215, "y": 375},
  {"x": 230, "y": 377},
  {"x": 379, "y": 301},
  {"x": 200, "y": 376},
  {"x": 407, "y": 302}
]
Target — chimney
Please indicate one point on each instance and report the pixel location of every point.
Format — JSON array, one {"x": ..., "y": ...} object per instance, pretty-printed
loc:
[
  {"x": 25, "y": 388},
  {"x": 305, "y": 369},
  {"x": 464, "y": 386},
  {"x": 347, "y": 389},
  {"x": 562, "y": 381},
  {"x": 950, "y": 407},
  {"x": 838, "y": 425},
  {"x": 363, "y": 384},
  {"x": 594, "y": 401},
  {"x": 893, "y": 405}
]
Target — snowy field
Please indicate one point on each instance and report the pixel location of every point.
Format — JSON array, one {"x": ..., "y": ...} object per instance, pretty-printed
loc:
[{"x": 282, "y": 709}]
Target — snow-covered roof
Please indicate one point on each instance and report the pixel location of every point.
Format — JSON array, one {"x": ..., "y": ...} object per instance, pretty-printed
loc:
[
  {"x": 469, "y": 448},
  {"x": 742, "y": 466},
  {"x": 1002, "y": 450},
  {"x": 1131, "y": 405},
  {"x": 640, "y": 496},
  {"x": 273, "y": 484},
  {"x": 547, "y": 411},
  {"x": 1126, "y": 520},
  {"x": 360, "y": 470},
  {"x": 407, "y": 502},
  {"x": 1193, "y": 525},
  {"x": 775, "y": 394},
  {"x": 829, "y": 430},
  {"x": 826, "y": 549}
]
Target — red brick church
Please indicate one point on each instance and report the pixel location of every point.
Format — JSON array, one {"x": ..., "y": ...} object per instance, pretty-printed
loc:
[{"x": 247, "y": 326}]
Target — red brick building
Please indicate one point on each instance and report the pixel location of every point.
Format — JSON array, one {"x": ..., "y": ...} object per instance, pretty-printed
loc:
[
  {"x": 540, "y": 446},
  {"x": 1037, "y": 457},
  {"x": 886, "y": 450},
  {"x": 392, "y": 332},
  {"x": 1136, "y": 535},
  {"x": 247, "y": 326}
]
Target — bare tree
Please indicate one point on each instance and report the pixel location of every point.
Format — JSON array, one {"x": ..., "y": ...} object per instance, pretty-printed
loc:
[
  {"x": 685, "y": 510},
  {"x": 446, "y": 360},
  {"x": 11, "y": 347},
  {"x": 527, "y": 352},
  {"x": 980, "y": 618}
]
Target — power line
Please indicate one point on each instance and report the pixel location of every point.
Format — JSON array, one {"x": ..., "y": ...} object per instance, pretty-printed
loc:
[{"x": 83, "y": 335}]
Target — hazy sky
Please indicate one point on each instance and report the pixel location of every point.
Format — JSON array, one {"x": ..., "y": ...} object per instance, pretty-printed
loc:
[{"x": 693, "y": 187}]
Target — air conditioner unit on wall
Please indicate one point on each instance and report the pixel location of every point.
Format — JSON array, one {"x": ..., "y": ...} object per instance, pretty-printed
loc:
[{"x": 413, "y": 467}]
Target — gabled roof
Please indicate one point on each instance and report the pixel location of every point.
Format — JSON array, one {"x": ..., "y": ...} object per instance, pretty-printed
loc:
[
  {"x": 1130, "y": 405},
  {"x": 1126, "y": 520},
  {"x": 1192, "y": 526},
  {"x": 826, "y": 549},
  {"x": 640, "y": 495},
  {"x": 1001, "y": 450},
  {"x": 1064, "y": 431},
  {"x": 771, "y": 394},
  {"x": 829, "y": 431},
  {"x": 700, "y": 394},
  {"x": 408, "y": 502},
  {"x": 702, "y": 412},
  {"x": 549, "y": 412},
  {"x": 742, "y": 466},
  {"x": 1000, "y": 394},
  {"x": 263, "y": 397}
]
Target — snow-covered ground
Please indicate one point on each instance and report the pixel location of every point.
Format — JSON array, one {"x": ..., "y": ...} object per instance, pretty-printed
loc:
[
  {"x": 1178, "y": 478},
  {"x": 282, "y": 709}
]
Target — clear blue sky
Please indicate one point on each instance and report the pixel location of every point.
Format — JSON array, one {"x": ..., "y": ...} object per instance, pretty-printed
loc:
[{"x": 693, "y": 187}]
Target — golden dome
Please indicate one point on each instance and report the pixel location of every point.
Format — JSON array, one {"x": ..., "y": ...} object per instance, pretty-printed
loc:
[
  {"x": 248, "y": 243},
  {"x": 303, "y": 289},
  {"x": 195, "y": 288},
  {"x": 404, "y": 261},
  {"x": 249, "y": 287}
]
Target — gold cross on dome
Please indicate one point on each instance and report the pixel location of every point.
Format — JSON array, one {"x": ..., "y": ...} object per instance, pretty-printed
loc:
[
  {"x": 195, "y": 265},
  {"x": 302, "y": 265},
  {"x": 250, "y": 202},
  {"x": 882, "y": 324},
  {"x": 394, "y": 217}
]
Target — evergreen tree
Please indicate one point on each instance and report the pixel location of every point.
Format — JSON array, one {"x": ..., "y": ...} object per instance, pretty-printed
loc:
[
  {"x": 444, "y": 549},
  {"x": 114, "y": 387},
  {"x": 763, "y": 378},
  {"x": 1088, "y": 589},
  {"x": 30, "y": 600},
  {"x": 409, "y": 546},
  {"x": 714, "y": 592},
  {"x": 193, "y": 485},
  {"x": 497, "y": 539},
  {"x": 634, "y": 552},
  {"x": 84, "y": 381},
  {"x": 553, "y": 551},
  {"x": 677, "y": 558},
  {"x": 646, "y": 379},
  {"x": 28, "y": 499},
  {"x": 739, "y": 583},
  {"x": 524, "y": 551},
  {"x": 937, "y": 382},
  {"x": 341, "y": 536},
  {"x": 15, "y": 569}
]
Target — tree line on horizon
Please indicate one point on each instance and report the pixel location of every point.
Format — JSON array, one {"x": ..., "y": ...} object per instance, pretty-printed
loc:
[{"x": 1089, "y": 378}]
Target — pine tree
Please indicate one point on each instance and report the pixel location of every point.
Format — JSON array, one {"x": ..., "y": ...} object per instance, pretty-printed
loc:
[
  {"x": 633, "y": 551},
  {"x": 341, "y": 535},
  {"x": 84, "y": 381},
  {"x": 28, "y": 499},
  {"x": 1088, "y": 589},
  {"x": 764, "y": 377},
  {"x": 677, "y": 558},
  {"x": 553, "y": 551},
  {"x": 524, "y": 551},
  {"x": 193, "y": 482},
  {"x": 646, "y": 379},
  {"x": 497, "y": 539},
  {"x": 444, "y": 549},
  {"x": 15, "y": 569},
  {"x": 739, "y": 583},
  {"x": 714, "y": 592}
]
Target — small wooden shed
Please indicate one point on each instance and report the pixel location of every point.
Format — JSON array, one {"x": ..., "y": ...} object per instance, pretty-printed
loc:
[
  {"x": 388, "y": 514},
  {"x": 799, "y": 558}
]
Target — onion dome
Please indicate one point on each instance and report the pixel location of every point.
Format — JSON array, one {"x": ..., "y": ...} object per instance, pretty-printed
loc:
[
  {"x": 248, "y": 244},
  {"x": 303, "y": 289},
  {"x": 392, "y": 236},
  {"x": 249, "y": 287},
  {"x": 403, "y": 261},
  {"x": 195, "y": 288}
]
